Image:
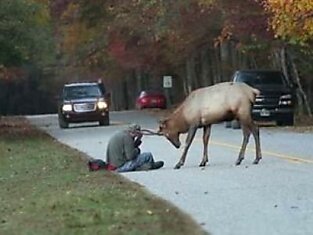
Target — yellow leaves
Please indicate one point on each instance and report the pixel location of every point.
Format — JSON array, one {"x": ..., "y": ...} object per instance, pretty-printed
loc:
[
  {"x": 206, "y": 2},
  {"x": 71, "y": 11},
  {"x": 292, "y": 19},
  {"x": 42, "y": 13},
  {"x": 75, "y": 32},
  {"x": 72, "y": 34}
]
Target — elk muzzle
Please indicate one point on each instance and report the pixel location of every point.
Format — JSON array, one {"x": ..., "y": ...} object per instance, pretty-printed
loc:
[{"x": 173, "y": 139}]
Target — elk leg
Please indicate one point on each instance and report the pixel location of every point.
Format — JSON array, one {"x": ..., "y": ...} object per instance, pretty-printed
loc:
[
  {"x": 191, "y": 134},
  {"x": 256, "y": 135},
  {"x": 246, "y": 134},
  {"x": 205, "y": 138}
]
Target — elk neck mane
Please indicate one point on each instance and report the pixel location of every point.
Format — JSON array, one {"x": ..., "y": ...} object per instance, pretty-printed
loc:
[{"x": 178, "y": 120}]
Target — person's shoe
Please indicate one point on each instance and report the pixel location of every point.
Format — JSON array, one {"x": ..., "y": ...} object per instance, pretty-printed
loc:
[
  {"x": 144, "y": 167},
  {"x": 157, "y": 165}
]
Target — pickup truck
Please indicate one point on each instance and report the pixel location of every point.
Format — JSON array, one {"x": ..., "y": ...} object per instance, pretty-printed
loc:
[{"x": 276, "y": 101}]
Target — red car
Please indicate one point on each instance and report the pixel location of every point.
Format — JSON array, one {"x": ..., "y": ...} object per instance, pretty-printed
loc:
[{"x": 151, "y": 99}]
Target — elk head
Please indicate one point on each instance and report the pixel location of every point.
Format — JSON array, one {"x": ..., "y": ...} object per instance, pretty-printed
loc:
[{"x": 167, "y": 128}]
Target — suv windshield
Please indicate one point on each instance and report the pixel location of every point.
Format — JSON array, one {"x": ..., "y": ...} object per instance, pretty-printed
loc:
[
  {"x": 76, "y": 92},
  {"x": 267, "y": 78}
]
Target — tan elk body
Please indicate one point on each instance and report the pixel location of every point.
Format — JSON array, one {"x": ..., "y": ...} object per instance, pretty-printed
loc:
[{"x": 209, "y": 105}]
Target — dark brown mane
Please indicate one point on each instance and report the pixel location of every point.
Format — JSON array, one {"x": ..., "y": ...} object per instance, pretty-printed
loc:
[{"x": 177, "y": 119}]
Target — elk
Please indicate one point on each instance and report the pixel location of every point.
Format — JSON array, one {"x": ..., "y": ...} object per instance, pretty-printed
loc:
[{"x": 209, "y": 105}]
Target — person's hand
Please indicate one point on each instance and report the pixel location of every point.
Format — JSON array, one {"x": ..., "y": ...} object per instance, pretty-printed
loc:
[
  {"x": 138, "y": 139},
  {"x": 137, "y": 151},
  {"x": 139, "y": 135},
  {"x": 138, "y": 142}
]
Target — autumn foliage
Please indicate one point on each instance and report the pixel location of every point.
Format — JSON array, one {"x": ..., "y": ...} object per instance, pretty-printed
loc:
[
  {"x": 291, "y": 20},
  {"x": 198, "y": 39}
]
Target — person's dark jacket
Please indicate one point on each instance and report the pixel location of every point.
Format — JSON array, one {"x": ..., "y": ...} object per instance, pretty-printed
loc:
[{"x": 121, "y": 148}]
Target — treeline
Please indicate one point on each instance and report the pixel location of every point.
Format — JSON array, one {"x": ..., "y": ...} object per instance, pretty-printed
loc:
[{"x": 131, "y": 45}]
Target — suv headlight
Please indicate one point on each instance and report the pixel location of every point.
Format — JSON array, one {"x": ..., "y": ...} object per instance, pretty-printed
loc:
[
  {"x": 285, "y": 100},
  {"x": 102, "y": 105},
  {"x": 285, "y": 97},
  {"x": 259, "y": 99},
  {"x": 67, "y": 107}
]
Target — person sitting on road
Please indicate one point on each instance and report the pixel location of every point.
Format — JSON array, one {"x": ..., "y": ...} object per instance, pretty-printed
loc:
[{"x": 123, "y": 151}]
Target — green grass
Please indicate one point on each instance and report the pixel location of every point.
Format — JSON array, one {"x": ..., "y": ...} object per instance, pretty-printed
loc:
[{"x": 46, "y": 188}]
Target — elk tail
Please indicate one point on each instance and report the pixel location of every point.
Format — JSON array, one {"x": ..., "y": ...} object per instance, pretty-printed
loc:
[{"x": 256, "y": 92}]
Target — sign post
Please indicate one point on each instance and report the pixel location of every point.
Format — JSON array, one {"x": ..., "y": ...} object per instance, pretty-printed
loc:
[
  {"x": 167, "y": 84},
  {"x": 167, "y": 81}
]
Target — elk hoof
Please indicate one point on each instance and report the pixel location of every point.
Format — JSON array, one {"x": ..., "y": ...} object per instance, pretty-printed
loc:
[
  {"x": 177, "y": 166},
  {"x": 256, "y": 161},
  {"x": 202, "y": 164},
  {"x": 238, "y": 162}
]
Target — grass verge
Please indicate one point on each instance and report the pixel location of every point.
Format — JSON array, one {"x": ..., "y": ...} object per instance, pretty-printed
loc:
[{"x": 46, "y": 188}]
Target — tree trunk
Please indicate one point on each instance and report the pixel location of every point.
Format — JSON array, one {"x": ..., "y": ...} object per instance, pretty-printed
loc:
[
  {"x": 226, "y": 65},
  {"x": 139, "y": 80},
  {"x": 301, "y": 96},
  {"x": 190, "y": 73},
  {"x": 185, "y": 81},
  {"x": 205, "y": 67},
  {"x": 124, "y": 94},
  {"x": 310, "y": 93},
  {"x": 217, "y": 62}
]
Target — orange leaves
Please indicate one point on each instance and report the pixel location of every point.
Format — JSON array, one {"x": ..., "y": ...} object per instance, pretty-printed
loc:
[
  {"x": 73, "y": 36},
  {"x": 249, "y": 26},
  {"x": 291, "y": 19},
  {"x": 11, "y": 73}
]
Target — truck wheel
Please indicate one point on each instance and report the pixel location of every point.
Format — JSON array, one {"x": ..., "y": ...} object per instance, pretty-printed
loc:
[
  {"x": 105, "y": 121},
  {"x": 287, "y": 121},
  {"x": 228, "y": 124},
  {"x": 62, "y": 123},
  {"x": 235, "y": 124}
]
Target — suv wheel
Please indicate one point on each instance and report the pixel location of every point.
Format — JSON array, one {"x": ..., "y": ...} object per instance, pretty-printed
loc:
[
  {"x": 228, "y": 124},
  {"x": 62, "y": 123},
  {"x": 105, "y": 121},
  {"x": 287, "y": 121},
  {"x": 235, "y": 124}
]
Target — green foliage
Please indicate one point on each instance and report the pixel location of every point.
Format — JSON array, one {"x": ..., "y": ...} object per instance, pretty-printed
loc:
[{"x": 26, "y": 35}]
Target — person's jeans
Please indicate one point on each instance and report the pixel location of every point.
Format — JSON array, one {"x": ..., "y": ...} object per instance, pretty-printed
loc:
[{"x": 141, "y": 159}]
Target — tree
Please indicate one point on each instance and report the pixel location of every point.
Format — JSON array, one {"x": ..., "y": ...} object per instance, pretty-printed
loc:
[
  {"x": 291, "y": 20},
  {"x": 200, "y": 41},
  {"x": 26, "y": 36}
]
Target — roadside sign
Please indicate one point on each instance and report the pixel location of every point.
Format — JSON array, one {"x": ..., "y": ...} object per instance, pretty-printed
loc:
[{"x": 167, "y": 81}]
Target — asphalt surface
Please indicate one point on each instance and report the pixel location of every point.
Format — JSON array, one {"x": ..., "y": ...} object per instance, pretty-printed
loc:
[{"x": 274, "y": 197}]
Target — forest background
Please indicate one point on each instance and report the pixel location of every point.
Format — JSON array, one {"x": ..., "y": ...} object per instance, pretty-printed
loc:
[{"x": 132, "y": 44}]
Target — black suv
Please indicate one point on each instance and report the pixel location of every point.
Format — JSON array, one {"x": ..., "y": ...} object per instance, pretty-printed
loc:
[
  {"x": 83, "y": 102},
  {"x": 276, "y": 101}
]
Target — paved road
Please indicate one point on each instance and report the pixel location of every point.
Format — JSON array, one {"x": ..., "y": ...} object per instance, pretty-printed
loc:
[{"x": 274, "y": 197}]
